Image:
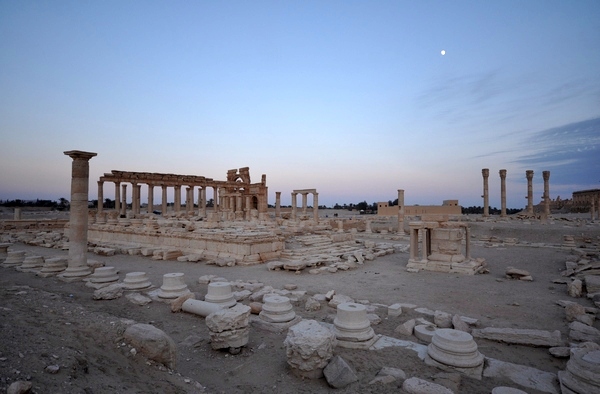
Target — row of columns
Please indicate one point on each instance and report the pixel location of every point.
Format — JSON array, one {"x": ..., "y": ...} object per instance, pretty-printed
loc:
[
  {"x": 121, "y": 198},
  {"x": 529, "y": 175}
]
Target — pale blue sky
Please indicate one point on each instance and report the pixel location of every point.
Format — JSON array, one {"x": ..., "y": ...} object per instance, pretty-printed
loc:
[{"x": 352, "y": 98}]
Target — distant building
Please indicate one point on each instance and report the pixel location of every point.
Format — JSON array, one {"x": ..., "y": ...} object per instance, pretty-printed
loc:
[
  {"x": 582, "y": 200},
  {"x": 448, "y": 207}
]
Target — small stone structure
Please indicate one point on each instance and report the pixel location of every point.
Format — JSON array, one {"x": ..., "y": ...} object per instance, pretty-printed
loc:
[
  {"x": 14, "y": 259},
  {"x": 173, "y": 286},
  {"x": 136, "y": 281},
  {"x": 582, "y": 374},
  {"x": 441, "y": 248},
  {"x": 309, "y": 347},
  {"x": 53, "y": 266},
  {"x": 102, "y": 277},
  {"x": 455, "y": 349},
  {"x": 31, "y": 264},
  {"x": 352, "y": 327},
  {"x": 220, "y": 293},
  {"x": 228, "y": 328}
]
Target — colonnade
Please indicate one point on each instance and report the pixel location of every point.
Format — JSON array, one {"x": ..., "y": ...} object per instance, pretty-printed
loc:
[
  {"x": 305, "y": 193},
  {"x": 529, "y": 175}
]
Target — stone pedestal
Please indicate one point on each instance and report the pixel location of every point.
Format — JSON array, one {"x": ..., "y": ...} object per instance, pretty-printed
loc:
[
  {"x": 309, "y": 347},
  {"x": 31, "y": 264},
  {"x": 136, "y": 281},
  {"x": 568, "y": 242},
  {"x": 173, "y": 286},
  {"x": 220, "y": 293},
  {"x": 53, "y": 267},
  {"x": 277, "y": 309},
  {"x": 228, "y": 328},
  {"x": 102, "y": 277},
  {"x": 352, "y": 328},
  {"x": 454, "y": 350},
  {"x": 582, "y": 374},
  {"x": 14, "y": 259}
]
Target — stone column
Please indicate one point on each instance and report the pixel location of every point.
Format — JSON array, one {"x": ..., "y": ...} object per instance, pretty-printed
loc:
[
  {"x": 215, "y": 199},
  {"x": 277, "y": 204},
  {"x": 304, "y": 203},
  {"x": 123, "y": 199},
  {"x": 425, "y": 243},
  {"x": 546, "y": 176},
  {"x": 400, "y": 211},
  {"x": 177, "y": 204},
  {"x": 503, "y": 193},
  {"x": 150, "y": 198},
  {"x": 189, "y": 199},
  {"x": 135, "y": 198},
  {"x": 316, "y": 207},
  {"x": 467, "y": 243},
  {"x": 164, "y": 200},
  {"x": 529, "y": 175},
  {"x": 117, "y": 197},
  {"x": 100, "y": 198},
  {"x": 17, "y": 214},
  {"x": 592, "y": 209},
  {"x": 294, "y": 202},
  {"x": 78, "y": 222},
  {"x": 486, "y": 203},
  {"x": 202, "y": 207}
]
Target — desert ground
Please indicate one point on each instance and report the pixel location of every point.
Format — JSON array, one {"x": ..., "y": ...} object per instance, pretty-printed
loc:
[{"x": 46, "y": 322}]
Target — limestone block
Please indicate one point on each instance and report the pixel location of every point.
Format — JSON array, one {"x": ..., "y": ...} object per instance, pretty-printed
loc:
[
  {"x": 584, "y": 333},
  {"x": 138, "y": 299},
  {"x": 582, "y": 373},
  {"x": 312, "y": 305},
  {"x": 232, "y": 318},
  {"x": 419, "y": 386},
  {"x": 338, "y": 373},
  {"x": 153, "y": 343},
  {"x": 424, "y": 332},
  {"x": 241, "y": 295},
  {"x": 523, "y": 375},
  {"x": 575, "y": 288},
  {"x": 507, "y": 390},
  {"x": 177, "y": 303},
  {"x": 460, "y": 324},
  {"x": 394, "y": 310},
  {"x": 309, "y": 347},
  {"x": 406, "y": 328},
  {"x": 573, "y": 310},
  {"x": 454, "y": 348},
  {"x": 109, "y": 292},
  {"x": 442, "y": 319},
  {"x": 338, "y": 299},
  {"x": 527, "y": 337},
  {"x": 592, "y": 283}
]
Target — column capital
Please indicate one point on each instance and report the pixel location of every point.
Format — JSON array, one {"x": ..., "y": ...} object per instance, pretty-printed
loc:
[
  {"x": 502, "y": 173},
  {"x": 80, "y": 155},
  {"x": 485, "y": 172}
]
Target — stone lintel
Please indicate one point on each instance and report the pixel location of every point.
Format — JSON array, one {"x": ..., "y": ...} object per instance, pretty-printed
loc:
[{"x": 78, "y": 154}]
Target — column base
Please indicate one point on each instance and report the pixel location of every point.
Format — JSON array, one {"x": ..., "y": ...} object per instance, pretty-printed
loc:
[{"x": 72, "y": 274}]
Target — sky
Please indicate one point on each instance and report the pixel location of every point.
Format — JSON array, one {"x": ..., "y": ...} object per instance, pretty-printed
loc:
[{"x": 353, "y": 98}]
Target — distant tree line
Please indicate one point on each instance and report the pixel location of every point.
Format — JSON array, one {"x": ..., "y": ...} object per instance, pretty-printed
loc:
[
  {"x": 493, "y": 211},
  {"x": 60, "y": 204}
]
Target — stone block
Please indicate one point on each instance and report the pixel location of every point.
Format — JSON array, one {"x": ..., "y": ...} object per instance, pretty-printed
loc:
[
  {"x": 527, "y": 337},
  {"x": 394, "y": 310},
  {"x": 419, "y": 386},
  {"x": 338, "y": 373},
  {"x": 309, "y": 347},
  {"x": 153, "y": 343}
]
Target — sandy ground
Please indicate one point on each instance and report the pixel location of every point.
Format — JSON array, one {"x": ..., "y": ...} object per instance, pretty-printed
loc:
[{"x": 45, "y": 321}]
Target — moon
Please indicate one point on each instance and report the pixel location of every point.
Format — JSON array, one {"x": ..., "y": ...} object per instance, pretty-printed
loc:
[{"x": 443, "y": 52}]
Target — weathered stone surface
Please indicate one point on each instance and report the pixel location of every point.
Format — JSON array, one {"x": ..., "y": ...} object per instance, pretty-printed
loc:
[
  {"x": 19, "y": 387},
  {"x": 419, "y": 386},
  {"x": 178, "y": 302},
  {"x": 230, "y": 338},
  {"x": 514, "y": 273},
  {"x": 312, "y": 305},
  {"x": 520, "y": 336},
  {"x": 442, "y": 319},
  {"x": 460, "y": 324},
  {"x": 338, "y": 299},
  {"x": 397, "y": 373},
  {"x": 582, "y": 332},
  {"x": 575, "y": 288},
  {"x": 573, "y": 310},
  {"x": 241, "y": 295},
  {"x": 138, "y": 299},
  {"x": 525, "y": 376},
  {"x": 309, "y": 347},
  {"x": 228, "y": 319},
  {"x": 110, "y": 292},
  {"x": 560, "y": 351},
  {"x": 394, "y": 310},
  {"x": 153, "y": 343},
  {"x": 592, "y": 283},
  {"x": 582, "y": 372},
  {"x": 338, "y": 373},
  {"x": 406, "y": 328}
]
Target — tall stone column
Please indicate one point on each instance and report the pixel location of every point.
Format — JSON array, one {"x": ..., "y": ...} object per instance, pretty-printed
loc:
[
  {"x": 529, "y": 175},
  {"x": 486, "y": 198},
  {"x": 503, "y": 193},
  {"x": 135, "y": 198},
  {"x": 164, "y": 200},
  {"x": 304, "y": 203},
  {"x": 593, "y": 209},
  {"x": 215, "y": 199},
  {"x": 294, "y": 202},
  {"x": 150, "y": 198},
  {"x": 189, "y": 199},
  {"x": 117, "y": 197},
  {"x": 316, "y": 207},
  {"x": 202, "y": 206},
  {"x": 177, "y": 203},
  {"x": 123, "y": 199},
  {"x": 100, "y": 198},
  {"x": 78, "y": 221},
  {"x": 400, "y": 210},
  {"x": 138, "y": 200},
  {"x": 277, "y": 204},
  {"x": 248, "y": 208},
  {"x": 546, "y": 176}
]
